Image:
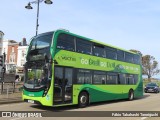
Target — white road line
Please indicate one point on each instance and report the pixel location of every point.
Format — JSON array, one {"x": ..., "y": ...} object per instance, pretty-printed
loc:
[
  {"x": 143, "y": 118},
  {"x": 17, "y": 118}
]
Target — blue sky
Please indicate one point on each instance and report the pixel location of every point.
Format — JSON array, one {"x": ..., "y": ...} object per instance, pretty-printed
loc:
[{"x": 129, "y": 24}]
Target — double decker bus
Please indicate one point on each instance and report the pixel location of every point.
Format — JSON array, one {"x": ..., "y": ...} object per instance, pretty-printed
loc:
[{"x": 63, "y": 68}]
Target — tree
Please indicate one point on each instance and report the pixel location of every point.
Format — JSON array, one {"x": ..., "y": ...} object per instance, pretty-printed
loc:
[{"x": 149, "y": 66}]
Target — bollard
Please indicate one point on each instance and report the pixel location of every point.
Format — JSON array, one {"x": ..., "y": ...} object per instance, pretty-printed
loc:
[
  {"x": 14, "y": 86},
  {"x": 2, "y": 87},
  {"x": 7, "y": 90}
]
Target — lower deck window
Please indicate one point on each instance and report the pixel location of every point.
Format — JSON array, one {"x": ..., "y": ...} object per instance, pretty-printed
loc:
[{"x": 84, "y": 77}]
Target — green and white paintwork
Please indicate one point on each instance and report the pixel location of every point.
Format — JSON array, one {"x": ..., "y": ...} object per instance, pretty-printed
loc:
[{"x": 96, "y": 92}]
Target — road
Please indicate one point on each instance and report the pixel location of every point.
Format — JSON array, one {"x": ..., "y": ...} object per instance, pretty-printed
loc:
[{"x": 149, "y": 102}]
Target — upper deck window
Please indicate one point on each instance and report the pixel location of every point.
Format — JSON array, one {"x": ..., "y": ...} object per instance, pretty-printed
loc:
[
  {"x": 111, "y": 53},
  {"x": 99, "y": 50},
  {"x": 129, "y": 57},
  {"x": 66, "y": 42},
  {"x": 137, "y": 59},
  {"x": 41, "y": 41},
  {"x": 120, "y": 55},
  {"x": 84, "y": 46},
  {"x": 39, "y": 47}
]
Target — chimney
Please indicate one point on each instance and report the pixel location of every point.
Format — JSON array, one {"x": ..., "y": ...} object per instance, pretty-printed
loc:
[{"x": 24, "y": 42}]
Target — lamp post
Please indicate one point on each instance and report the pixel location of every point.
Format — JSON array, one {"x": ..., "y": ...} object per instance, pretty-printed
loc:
[{"x": 37, "y": 2}]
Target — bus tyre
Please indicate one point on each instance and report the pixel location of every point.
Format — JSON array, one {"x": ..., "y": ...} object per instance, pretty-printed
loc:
[
  {"x": 83, "y": 99},
  {"x": 131, "y": 95}
]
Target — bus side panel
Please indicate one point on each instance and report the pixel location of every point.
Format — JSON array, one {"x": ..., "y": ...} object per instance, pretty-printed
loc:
[
  {"x": 102, "y": 92},
  {"x": 139, "y": 90}
]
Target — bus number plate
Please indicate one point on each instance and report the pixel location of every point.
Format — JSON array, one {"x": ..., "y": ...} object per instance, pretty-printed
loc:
[{"x": 30, "y": 101}]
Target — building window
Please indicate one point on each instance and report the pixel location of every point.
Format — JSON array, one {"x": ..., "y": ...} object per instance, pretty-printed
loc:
[
  {"x": 22, "y": 62},
  {"x": 12, "y": 49},
  {"x": 23, "y": 54},
  {"x": 12, "y": 58}
]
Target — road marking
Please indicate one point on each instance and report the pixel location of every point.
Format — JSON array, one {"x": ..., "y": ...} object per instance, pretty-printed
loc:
[
  {"x": 16, "y": 118},
  {"x": 143, "y": 118}
]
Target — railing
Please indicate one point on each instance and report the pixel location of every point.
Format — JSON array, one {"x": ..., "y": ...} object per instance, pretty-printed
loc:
[{"x": 10, "y": 91}]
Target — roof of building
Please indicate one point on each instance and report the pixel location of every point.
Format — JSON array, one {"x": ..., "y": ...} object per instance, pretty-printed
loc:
[{"x": 1, "y": 32}]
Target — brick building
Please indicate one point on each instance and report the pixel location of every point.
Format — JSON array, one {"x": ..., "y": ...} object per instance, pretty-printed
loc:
[{"x": 10, "y": 47}]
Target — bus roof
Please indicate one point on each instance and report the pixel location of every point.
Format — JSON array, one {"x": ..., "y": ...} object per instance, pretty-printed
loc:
[{"x": 95, "y": 41}]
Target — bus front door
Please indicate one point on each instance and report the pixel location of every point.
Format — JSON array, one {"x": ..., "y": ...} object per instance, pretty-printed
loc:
[{"x": 62, "y": 85}]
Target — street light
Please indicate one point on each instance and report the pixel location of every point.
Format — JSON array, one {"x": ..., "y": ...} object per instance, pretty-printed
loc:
[{"x": 37, "y": 2}]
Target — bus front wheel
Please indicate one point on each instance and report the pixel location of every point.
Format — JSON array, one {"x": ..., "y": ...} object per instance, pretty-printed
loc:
[
  {"x": 83, "y": 99},
  {"x": 131, "y": 95}
]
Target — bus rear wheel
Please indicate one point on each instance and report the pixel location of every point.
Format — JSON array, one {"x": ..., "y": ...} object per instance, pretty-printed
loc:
[
  {"x": 83, "y": 99},
  {"x": 131, "y": 95}
]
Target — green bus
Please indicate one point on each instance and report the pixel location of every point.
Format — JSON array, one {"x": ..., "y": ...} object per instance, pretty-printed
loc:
[{"x": 63, "y": 68}]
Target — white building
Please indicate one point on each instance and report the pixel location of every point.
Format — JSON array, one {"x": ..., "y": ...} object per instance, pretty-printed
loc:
[
  {"x": 21, "y": 59},
  {"x": 22, "y": 51},
  {"x": 5, "y": 47}
]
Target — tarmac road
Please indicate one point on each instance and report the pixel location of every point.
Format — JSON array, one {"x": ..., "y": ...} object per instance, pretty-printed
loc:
[{"x": 149, "y": 102}]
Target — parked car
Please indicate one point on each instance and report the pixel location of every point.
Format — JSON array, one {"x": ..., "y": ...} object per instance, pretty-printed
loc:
[{"x": 151, "y": 87}]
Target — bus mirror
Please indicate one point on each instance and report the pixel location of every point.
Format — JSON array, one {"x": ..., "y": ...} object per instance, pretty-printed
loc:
[{"x": 55, "y": 62}]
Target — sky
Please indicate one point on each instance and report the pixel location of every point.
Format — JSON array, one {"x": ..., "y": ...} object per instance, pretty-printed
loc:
[{"x": 128, "y": 24}]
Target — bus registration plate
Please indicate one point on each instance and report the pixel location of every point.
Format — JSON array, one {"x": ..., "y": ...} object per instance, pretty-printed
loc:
[{"x": 31, "y": 101}]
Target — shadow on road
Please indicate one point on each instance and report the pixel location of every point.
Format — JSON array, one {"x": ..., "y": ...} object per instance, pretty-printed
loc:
[
  {"x": 55, "y": 109},
  {"x": 72, "y": 107},
  {"x": 143, "y": 97}
]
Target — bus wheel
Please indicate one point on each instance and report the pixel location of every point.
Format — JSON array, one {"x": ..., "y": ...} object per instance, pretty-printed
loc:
[
  {"x": 131, "y": 95},
  {"x": 83, "y": 99}
]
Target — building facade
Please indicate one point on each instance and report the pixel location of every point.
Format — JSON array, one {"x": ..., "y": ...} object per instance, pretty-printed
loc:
[
  {"x": 21, "y": 60},
  {"x": 15, "y": 56},
  {"x": 10, "y": 47}
]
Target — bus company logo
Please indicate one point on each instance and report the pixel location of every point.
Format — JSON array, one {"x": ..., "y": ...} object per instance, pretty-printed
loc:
[
  {"x": 68, "y": 58},
  {"x": 47, "y": 97}
]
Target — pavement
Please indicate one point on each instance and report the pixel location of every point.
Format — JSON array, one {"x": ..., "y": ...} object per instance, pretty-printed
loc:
[
  {"x": 11, "y": 98},
  {"x": 10, "y": 95}
]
